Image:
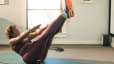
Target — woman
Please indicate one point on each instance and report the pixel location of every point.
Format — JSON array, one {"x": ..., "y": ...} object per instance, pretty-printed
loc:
[{"x": 31, "y": 51}]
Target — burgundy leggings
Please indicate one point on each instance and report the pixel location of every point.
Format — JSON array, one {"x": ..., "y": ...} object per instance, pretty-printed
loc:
[{"x": 39, "y": 48}]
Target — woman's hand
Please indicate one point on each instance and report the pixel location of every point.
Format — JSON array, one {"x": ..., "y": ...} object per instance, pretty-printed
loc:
[
  {"x": 34, "y": 28},
  {"x": 36, "y": 33}
]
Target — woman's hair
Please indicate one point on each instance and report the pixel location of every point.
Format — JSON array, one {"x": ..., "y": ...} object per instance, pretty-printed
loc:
[{"x": 10, "y": 31}]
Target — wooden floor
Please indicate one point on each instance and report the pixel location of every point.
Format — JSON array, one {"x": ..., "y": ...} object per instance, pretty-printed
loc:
[{"x": 96, "y": 53}]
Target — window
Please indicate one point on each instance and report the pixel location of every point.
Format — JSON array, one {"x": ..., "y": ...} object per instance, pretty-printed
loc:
[{"x": 42, "y": 11}]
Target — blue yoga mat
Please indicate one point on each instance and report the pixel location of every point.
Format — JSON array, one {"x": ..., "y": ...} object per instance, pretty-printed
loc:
[{"x": 13, "y": 58}]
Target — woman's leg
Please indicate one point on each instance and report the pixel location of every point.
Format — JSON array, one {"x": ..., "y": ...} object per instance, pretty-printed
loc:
[
  {"x": 68, "y": 13},
  {"x": 53, "y": 28},
  {"x": 38, "y": 46},
  {"x": 48, "y": 44}
]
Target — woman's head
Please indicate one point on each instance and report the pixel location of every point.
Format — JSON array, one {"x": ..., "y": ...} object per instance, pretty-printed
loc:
[{"x": 11, "y": 31}]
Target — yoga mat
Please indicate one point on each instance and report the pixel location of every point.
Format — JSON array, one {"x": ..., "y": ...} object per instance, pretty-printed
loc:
[{"x": 13, "y": 58}]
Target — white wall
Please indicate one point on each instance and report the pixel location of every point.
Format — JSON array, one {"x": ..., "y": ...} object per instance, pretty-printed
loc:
[
  {"x": 89, "y": 24},
  {"x": 87, "y": 27},
  {"x": 112, "y": 17},
  {"x": 112, "y": 21},
  {"x": 14, "y": 13}
]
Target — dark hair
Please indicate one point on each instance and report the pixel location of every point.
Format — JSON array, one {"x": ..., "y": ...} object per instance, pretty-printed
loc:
[{"x": 9, "y": 31}]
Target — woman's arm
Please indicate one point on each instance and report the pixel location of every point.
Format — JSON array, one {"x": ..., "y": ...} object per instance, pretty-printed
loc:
[
  {"x": 36, "y": 33},
  {"x": 26, "y": 33},
  {"x": 16, "y": 40}
]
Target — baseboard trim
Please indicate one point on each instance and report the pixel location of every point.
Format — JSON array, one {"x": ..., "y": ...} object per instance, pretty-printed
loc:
[
  {"x": 65, "y": 45},
  {"x": 76, "y": 45}
]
